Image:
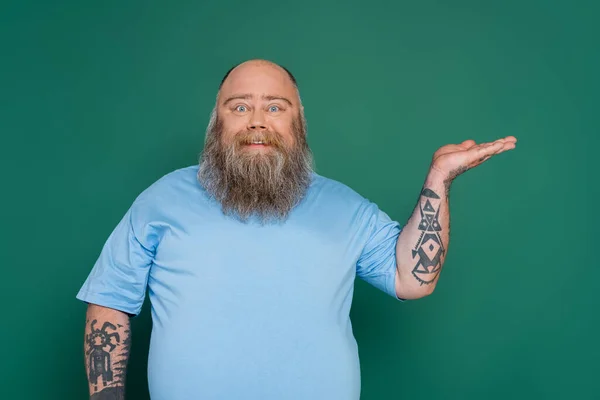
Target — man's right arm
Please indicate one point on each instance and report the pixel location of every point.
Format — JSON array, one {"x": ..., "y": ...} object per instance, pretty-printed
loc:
[{"x": 107, "y": 343}]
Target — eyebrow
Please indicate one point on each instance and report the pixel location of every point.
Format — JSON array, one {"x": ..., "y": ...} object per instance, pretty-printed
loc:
[{"x": 249, "y": 96}]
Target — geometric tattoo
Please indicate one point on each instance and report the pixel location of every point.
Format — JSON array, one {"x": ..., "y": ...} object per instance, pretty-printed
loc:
[
  {"x": 110, "y": 393},
  {"x": 429, "y": 247},
  {"x": 99, "y": 348}
]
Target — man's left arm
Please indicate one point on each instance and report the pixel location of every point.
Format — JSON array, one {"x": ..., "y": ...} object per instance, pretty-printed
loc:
[{"x": 422, "y": 245}]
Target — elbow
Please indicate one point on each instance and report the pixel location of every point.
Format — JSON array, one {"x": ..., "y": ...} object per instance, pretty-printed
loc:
[
  {"x": 427, "y": 290},
  {"x": 412, "y": 290},
  {"x": 414, "y": 294}
]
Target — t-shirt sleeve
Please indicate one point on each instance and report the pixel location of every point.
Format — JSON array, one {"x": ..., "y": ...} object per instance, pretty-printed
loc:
[
  {"x": 119, "y": 276},
  {"x": 377, "y": 262}
]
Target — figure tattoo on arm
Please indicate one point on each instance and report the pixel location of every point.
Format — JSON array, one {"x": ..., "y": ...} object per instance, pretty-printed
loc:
[
  {"x": 429, "y": 249},
  {"x": 107, "y": 367}
]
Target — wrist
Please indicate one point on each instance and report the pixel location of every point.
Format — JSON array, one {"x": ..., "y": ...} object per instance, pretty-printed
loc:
[
  {"x": 438, "y": 181},
  {"x": 436, "y": 176}
]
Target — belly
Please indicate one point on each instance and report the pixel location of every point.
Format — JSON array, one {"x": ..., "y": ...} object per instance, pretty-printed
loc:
[{"x": 253, "y": 358}]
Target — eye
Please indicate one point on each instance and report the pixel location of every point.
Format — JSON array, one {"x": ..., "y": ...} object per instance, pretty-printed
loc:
[
  {"x": 273, "y": 108},
  {"x": 241, "y": 108}
]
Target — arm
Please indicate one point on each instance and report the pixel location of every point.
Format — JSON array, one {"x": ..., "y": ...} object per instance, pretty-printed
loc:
[
  {"x": 106, "y": 347},
  {"x": 423, "y": 243}
]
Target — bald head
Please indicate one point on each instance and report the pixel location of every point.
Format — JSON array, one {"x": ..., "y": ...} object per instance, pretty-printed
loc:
[
  {"x": 259, "y": 76},
  {"x": 289, "y": 74}
]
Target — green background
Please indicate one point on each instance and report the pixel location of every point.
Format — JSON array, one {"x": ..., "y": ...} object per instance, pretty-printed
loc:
[{"x": 100, "y": 99}]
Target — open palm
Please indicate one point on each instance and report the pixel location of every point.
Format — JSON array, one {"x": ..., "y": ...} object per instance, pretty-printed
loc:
[{"x": 454, "y": 159}]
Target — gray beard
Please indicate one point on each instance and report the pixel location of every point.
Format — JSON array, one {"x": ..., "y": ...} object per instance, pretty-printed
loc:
[{"x": 246, "y": 183}]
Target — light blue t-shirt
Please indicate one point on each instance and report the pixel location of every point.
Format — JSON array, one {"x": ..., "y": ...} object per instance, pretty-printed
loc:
[{"x": 244, "y": 311}]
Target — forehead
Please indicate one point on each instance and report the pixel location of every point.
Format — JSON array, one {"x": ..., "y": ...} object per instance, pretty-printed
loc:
[{"x": 258, "y": 79}]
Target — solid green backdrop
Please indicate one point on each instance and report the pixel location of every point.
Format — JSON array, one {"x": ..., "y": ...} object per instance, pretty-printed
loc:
[{"x": 100, "y": 99}]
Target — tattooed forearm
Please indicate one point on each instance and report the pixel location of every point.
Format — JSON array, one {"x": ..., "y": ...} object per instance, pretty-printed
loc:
[
  {"x": 110, "y": 393},
  {"x": 107, "y": 346},
  {"x": 100, "y": 343},
  {"x": 423, "y": 242},
  {"x": 429, "y": 249}
]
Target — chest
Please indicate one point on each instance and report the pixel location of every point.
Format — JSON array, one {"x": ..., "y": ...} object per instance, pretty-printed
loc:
[{"x": 210, "y": 257}]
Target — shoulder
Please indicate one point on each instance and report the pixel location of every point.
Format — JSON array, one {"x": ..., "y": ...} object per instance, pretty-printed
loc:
[
  {"x": 166, "y": 199},
  {"x": 336, "y": 192},
  {"x": 171, "y": 184},
  {"x": 171, "y": 189}
]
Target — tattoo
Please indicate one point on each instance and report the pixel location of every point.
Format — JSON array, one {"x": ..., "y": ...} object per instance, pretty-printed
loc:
[
  {"x": 120, "y": 366},
  {"x": 110, "y": 393},
  {"x": 100, "y": 346},
  {"x": 429, "y": 247}
]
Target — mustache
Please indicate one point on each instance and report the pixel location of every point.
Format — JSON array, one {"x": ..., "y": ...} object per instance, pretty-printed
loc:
[{"x": 270, "y": 138}]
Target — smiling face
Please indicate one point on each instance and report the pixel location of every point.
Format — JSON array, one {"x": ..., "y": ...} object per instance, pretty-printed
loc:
[
  {"x": 257, "y": 102},
  {"x": 256, "y": 160}
]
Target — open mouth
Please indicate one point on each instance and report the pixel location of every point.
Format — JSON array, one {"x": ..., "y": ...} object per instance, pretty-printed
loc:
[{"x": 257, "y": 143}]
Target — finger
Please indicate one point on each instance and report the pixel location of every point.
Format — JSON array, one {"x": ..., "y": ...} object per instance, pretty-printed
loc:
[
  {"x": 500, "y": 149},
  {"x": 503, "y": 144},
  {"x": 507, "y": 146},
  {"x": 507, "y": 139},
  {"x": 467, "y": 144},
  {"x": 479, "y": 153}
]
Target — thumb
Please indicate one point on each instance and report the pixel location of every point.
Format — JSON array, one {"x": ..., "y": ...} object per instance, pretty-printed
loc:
[{"x": 467, "y": 144}]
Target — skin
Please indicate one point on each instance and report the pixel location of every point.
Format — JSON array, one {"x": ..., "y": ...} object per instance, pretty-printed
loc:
[
  {"x": 422, "y": 246},
  {"x": 115, "y": 326},
  {"x": 258, "y": 96}
]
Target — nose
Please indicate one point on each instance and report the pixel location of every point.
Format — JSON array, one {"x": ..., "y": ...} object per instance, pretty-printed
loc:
[{"x": 257, "y": 121}]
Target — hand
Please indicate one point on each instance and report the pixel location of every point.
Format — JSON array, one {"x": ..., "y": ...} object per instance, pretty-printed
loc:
[{"x": 453, "y": 159}]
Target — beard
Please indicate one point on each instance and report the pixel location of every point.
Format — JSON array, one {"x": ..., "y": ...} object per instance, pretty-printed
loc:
[{"x": 267, "y": 184}]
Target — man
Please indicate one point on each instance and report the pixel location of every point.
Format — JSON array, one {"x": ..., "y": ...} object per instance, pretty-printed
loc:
[{"x": 250, "y": 259}]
